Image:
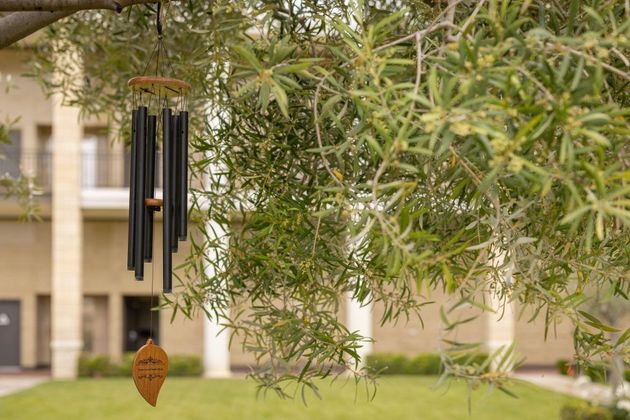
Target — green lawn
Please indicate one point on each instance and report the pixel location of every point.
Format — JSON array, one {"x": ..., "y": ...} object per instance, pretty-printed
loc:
[{"x": 397, "y": 398}]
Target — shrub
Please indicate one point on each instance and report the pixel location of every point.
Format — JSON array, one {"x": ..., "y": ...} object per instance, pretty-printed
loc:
[
  {"x": 96, "y": 366},
  {"x": 626, "y": 375},
  {"x": 388, "y": 363},
  {"x": 476, "y": 359},
  {"x": 479, "y": 359},
  {"x": 424, "y": 364},
  {"x": 99, "y": 366},
  {"x": 124, "y": 369},
  {"x": 619, "y": 413},
  {"x": 563, "y": 366},
  {"x": 185, "y": 366},
  {"x": 584, "y": 411}
]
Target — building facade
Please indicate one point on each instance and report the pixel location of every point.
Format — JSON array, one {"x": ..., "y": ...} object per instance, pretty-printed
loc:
[{"x": 64, "y": 286}]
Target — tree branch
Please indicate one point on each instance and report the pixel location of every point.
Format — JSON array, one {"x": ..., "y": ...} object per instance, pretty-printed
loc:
[
  {"x": 58, "y": 5},
  {"x": 450, "y": 17},
  {"x": 21, "y": 24}
]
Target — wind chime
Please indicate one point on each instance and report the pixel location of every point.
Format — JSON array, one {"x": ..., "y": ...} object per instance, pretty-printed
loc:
[{"x": 159, "y": 110}]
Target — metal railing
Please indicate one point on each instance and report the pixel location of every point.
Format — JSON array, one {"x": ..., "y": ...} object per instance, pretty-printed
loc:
[
  {"x": 98, "y": 170},
  {"x": 37, "y": 164},
  {"x": 104, "y": 170}
]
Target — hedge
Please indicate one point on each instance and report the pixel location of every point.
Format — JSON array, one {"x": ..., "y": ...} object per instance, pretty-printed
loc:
[
  {"x": 100, "y": 366},
  {"x": 400, "y": 364},
  {"x": 584, "y": 411},
  {"x": 97, "y": 366}
]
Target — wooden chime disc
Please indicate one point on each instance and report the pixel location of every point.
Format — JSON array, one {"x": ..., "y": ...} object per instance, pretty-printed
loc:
[
  {"x": 159, "y": 86},
  {"x": 149, "y": 370},
  {"x": 153, "y": 203}
]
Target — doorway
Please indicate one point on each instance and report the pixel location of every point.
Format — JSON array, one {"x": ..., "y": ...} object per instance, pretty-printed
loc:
[
  {"x": 137, "y": 325},
  {"x": 10, "y": 333}
]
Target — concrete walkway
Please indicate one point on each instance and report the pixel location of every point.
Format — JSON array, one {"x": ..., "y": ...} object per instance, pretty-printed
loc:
[
  {"x": 10, "y": 384},
  {"x": 580, "y": 387}
]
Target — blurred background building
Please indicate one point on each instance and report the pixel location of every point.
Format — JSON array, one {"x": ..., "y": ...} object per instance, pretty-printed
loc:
[{"x": 64, "y": 287}]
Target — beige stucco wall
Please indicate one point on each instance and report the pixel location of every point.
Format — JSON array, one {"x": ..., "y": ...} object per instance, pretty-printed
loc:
[
  {"x": 25, "y": 258},
  {"x": 531, "y": 342},
  {"x": 411, "y": 337},
  {"x": 95, "y": 320},
  {"x": 25, "y": 261}
]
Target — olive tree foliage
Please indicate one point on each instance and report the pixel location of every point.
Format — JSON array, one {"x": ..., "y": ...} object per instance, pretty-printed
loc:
[{"x": 388, "y": 151}]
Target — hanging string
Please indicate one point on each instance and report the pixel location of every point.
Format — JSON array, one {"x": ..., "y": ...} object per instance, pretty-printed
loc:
[
  {"x": 158, "y": 45},
  {"x": 152, "y": 293},
  {"x": 157, "y": 48},
  {"x": 160, "y": 51},
  {"x": 167, "y": 59}
]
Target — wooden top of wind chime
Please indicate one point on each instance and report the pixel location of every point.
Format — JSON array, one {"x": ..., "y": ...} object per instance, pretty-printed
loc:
[{"x": 159, "y": 86}]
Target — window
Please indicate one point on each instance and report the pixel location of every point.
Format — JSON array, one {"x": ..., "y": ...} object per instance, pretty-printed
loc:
[
  {"x": 96, "y": 159},
  {"x": 12, "y": 155}
]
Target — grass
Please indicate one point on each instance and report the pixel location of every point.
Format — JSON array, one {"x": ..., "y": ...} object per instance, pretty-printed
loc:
[{"x": 396, "y": 398}]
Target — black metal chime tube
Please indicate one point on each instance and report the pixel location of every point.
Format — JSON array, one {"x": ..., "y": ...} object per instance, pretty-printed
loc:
[
  {"x": 149, "y": 187},
  {"x": 131, "y": 243},
  {"x": 182, "y": 182},
  {"x": 142, "y": 185},
  {"x": 174, "y": 177},
  {"x": 141, "y": 124},
  {"x": 167, "y": 198}
]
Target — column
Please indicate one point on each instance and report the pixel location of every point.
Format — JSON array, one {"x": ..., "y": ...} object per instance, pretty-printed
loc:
[
  {"x": 67, "y": 234},
  {"x": 359, "y": 315},
  {"x": 115, "y": 326},
  {"x": 29, "y": 148},
  {"x": 216, "y": 343},
  {"x": 359, "y": 318},
  {"x": 500, "y": 324}
]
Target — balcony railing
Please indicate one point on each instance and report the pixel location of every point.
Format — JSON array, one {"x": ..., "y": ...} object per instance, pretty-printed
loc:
[{"x": 98, "y": 170}]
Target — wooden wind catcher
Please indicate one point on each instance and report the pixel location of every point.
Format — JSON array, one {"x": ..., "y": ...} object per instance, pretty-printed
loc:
[
  {"x": 149, "y": 369},
  {"x": 159, "y": 110}
]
